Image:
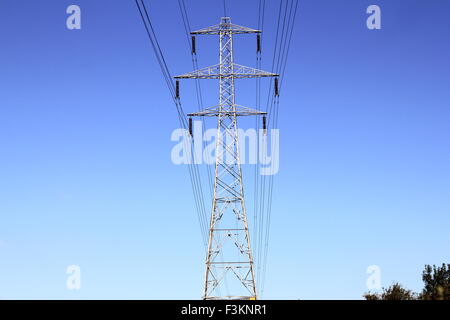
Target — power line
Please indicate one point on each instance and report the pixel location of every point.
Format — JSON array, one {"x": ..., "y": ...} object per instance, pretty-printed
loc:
[
  {"x": 258, "y": 185},
  {"x": 263, "y": 188},
  {"x": 194, "y": 59},
  {"x": 266, "y": 211},
  {"x": 281, "y": 66},
  {"x": 193, "y": 170},
  {"x": 224, "y": 8},
  {"x": 262, "y": 196}
]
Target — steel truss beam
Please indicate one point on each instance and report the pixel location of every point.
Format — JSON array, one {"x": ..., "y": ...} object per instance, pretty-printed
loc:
[
  {"x": 229, "y": 260},
  {"x": 236, "y": 71}
]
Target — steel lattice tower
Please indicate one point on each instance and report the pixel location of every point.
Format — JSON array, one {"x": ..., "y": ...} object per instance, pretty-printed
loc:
[{"x": 229, "y": 259}]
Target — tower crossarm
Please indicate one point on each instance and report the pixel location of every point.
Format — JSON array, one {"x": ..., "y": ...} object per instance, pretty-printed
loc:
[
  {"x": 216, "y": 72},
  {"x": 230, "y": 27},
  {"x": 234, "y": 110}
]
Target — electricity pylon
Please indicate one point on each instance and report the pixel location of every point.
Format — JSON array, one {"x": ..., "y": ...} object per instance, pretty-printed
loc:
[{"x": 229, "y": 259}]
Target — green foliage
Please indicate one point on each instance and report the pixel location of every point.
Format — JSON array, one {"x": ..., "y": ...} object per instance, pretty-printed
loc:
[
  {"x": 436, "y": 287},
  {"x": 436, "y": 282},
  {"x": 395, "y": 292},
  {"x": 371, "y": 296}
]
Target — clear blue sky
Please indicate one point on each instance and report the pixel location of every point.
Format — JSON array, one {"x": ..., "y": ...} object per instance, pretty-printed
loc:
[{"x": 85, "y": 170}]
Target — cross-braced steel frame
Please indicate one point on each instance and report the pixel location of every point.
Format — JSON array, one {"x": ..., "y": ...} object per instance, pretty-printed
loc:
[{"x": 229, "y": 259}]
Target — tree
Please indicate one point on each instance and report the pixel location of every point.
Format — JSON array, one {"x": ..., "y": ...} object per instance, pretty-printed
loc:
[
  {"x": 395, "y": 292},
  {"x": 371, "y": 296},
  {"x": 436, "y": 282}
]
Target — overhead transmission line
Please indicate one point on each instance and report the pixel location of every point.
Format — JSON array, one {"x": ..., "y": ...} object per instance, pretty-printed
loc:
[
  {"x": 192, "y": 47},
  {"x": 193, "y": 168},
  {"x": 262, "y": 209},
  {"x": 285, "y": 24},
  {"x": 263, "y": 188},
  {"x": 256, "y": 204},
  {"x": 225, "y": 8}
]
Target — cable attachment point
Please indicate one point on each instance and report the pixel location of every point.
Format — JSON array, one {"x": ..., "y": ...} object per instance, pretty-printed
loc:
[
  {"x": 177, "y": 89},
  {"x": 264, "y": 123},
  {"x": 190, "y": 127},
  {"x": 194, "y": 51},
  {"x": 277, "y": 92},
  {"x": 258, "y": 43}
]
